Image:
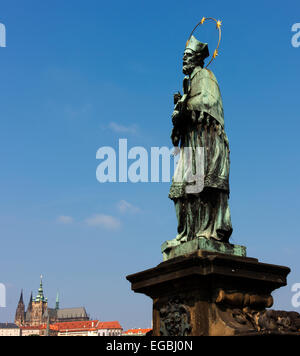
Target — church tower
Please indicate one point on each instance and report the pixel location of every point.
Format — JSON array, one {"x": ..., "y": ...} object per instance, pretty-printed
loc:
[
  {"x": 20, "y": 313},
  {"x": 29, "y": 308},
  {"x": 39, "y": 307},
  {"x": 28, "y": 311}
]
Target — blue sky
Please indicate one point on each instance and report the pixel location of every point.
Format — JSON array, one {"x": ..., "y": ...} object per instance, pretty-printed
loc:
[{"x": 76, "y": 76}]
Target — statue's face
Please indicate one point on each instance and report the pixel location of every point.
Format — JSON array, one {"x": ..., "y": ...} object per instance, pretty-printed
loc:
[{"x": 188, "y": 62}]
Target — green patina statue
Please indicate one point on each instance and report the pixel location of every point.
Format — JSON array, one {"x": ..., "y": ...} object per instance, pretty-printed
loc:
[{"x": 198, "y": 120}]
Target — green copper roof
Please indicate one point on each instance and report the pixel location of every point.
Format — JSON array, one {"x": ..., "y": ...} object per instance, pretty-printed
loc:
[{"x": 40, "y": 297}]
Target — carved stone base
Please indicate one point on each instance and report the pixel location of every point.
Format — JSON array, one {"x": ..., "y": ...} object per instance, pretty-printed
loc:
[{"x": 207, "y": 294}]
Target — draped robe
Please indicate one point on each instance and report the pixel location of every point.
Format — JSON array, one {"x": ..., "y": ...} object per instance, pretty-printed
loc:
[{"x": 201, "y": 125}]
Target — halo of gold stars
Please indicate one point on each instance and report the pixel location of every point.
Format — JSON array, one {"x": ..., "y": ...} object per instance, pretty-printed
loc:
[{"x": 218, "y": 27}]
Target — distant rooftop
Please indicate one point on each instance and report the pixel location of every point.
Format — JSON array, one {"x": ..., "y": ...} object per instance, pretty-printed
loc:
[
  {"x": 136, "y": 331},
  {"x": 90, "y": 325},
  {"x": 109, "y": 325},
  {"x": 72, "y": 312},
  {"x": 8, "y": 326}
]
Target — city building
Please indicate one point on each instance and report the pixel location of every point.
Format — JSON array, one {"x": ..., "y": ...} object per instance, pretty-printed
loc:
[
  {"x": 136, "y": 332},
  {"x": 38, "y": 312},
  {"x": 9, "y": 329},
  {"x": 40, "y": 320},
  {"x": 109, "y": 328},
  {"x": 41, "y": 330},
  {"x": 88, "y": 328},
  {"x": 77, "y": 328}
]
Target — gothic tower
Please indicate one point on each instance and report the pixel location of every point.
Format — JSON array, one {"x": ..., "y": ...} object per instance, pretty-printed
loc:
[
  {"x": 28, "y": 312},
  {"x": 20, "y": 313},
  {"x": 39, "y": 307},
  {"x": 29, "y": 308}
]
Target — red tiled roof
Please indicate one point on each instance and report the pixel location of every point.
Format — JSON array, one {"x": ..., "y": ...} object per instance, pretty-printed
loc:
[
  {"x": 109, "y": 325},
  {"x": 89, "y": 325},
  {"x": 137, "y": 331},
  {"x": 30, "y": 327}
]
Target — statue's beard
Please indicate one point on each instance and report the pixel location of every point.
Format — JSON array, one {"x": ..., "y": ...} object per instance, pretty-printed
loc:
[{"x": 188, "y": 68}]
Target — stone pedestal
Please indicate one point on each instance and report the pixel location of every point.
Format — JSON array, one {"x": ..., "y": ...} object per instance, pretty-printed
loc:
[{"x": 208, "y": 293}]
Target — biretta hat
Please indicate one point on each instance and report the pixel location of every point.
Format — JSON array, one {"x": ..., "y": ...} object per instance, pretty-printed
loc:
[{"x": 197, "y": 46}]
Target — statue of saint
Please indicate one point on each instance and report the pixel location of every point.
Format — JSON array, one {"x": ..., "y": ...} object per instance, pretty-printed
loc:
[{"x": 198, "y": 120}]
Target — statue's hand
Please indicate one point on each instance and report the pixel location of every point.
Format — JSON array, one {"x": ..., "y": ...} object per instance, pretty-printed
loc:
[
  {"x": 176, "y": 151},
  {"x": 175, "y": 117},
  {"x": 177, "y": 97},
  {"x": 175, "y": 137}
]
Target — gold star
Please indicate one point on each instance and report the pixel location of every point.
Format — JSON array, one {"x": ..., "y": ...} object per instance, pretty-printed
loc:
[
  {"x": 219, "y": 24},
  {"x": 202, "y": 21},
  {"x": 216, "y": 53}
]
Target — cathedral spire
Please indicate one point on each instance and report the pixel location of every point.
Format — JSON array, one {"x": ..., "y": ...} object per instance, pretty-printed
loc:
[
  {"x": 40, "y": 297},
  {"x": 29, "y": 308},
  {"x": 21, "y": 298},
  {"x": 20, "y": 313}
]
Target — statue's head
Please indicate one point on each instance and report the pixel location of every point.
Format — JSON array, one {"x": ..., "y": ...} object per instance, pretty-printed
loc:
[{"x": 194, "y": 55}]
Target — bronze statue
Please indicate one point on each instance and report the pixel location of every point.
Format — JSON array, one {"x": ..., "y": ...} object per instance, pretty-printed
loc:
[
  {"x": 198, "y": 120},
  {"x": 207, "y": 286}
]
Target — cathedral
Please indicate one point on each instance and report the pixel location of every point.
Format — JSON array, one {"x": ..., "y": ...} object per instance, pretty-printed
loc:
[{"x": 38, "y": 313}]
